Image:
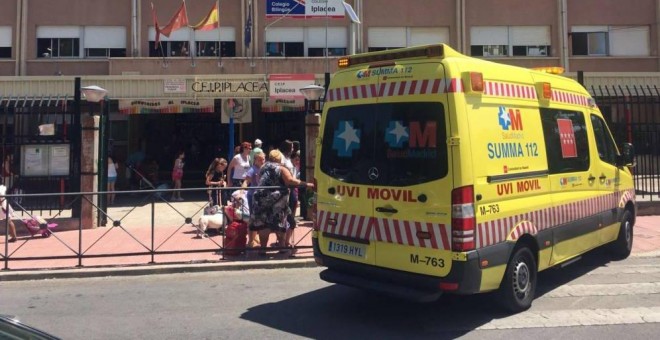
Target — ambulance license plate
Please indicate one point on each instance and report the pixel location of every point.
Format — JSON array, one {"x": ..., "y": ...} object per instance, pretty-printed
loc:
[{"x": 347, "y": 249}]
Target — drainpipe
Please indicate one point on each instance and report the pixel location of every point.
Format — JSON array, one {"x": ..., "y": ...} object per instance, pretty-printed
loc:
[
  {"x": 563, "y": 33},
  {"x": 657, "y": 32},
  {"x": 459, "y": 33},
  {"x": 134, "y": 29},
  {"x": 22, "y": 43},
  {"x": 17, "y": 37}
]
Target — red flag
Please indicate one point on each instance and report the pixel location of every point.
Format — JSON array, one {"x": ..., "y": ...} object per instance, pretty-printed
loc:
[
  {"x": 210, "y": 22},
  {"x": 179, "y": 20}
]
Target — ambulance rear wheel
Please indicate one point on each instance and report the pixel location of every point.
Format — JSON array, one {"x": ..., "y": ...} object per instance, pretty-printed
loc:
[
  {"x": 622, "y": 247},
  {"x": 519, "y": 284}
]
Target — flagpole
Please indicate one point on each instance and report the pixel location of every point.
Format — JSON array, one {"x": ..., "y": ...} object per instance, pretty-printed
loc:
[
  {"x": 327, "y": 65},
  {"x": 219, "y": 49}
]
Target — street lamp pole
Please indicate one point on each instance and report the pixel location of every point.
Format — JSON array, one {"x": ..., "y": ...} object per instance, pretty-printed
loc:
[
  {"x": 96, "y": 94},
  {"x": 312, "y": 94}
]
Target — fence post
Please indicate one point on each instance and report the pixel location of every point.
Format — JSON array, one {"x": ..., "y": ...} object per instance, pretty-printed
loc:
[
  {"x": 80, "y": 228},
  {"x": 153, "y": 229}
]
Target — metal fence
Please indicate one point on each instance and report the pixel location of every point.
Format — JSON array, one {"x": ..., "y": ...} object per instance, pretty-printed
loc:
[
  {"x": 38, "y": 139},
  {"x": 633, "y": 114},
  {"x": 143, "y": 227}
]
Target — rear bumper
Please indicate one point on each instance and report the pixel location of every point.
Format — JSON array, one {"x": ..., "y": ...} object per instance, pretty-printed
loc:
[{"x": 406, "y": 285}]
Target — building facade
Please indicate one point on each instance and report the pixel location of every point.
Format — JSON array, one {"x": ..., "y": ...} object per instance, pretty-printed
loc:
[{"x": 177, "y": 93}]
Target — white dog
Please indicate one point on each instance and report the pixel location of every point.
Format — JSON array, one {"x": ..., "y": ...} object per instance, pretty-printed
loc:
[{"x": 216, "y": 220}]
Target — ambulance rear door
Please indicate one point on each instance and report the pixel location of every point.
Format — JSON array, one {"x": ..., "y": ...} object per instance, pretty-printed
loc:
[{"x": 409, "y": 173}]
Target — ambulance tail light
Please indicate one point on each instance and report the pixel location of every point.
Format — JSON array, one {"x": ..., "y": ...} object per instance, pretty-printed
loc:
[
  {"x": 463, "y": 221},
  {"x": 315, "y": 225}
]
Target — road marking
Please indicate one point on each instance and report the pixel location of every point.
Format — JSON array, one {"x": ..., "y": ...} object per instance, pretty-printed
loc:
[
  {"x": 605, "y": 289},
  {"x": 579, "y": 317}
]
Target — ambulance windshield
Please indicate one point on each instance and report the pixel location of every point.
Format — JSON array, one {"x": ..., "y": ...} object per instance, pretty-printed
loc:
[{"x": 387, "y": 144}]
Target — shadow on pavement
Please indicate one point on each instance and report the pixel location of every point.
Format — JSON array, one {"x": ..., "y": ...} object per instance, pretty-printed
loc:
[{"x": 343, "y": 312}]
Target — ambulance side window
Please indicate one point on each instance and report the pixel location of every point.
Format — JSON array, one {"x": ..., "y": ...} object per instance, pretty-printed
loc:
[
  {"x": 604, "y": 143},
  {"x": 567, "y": 146}
]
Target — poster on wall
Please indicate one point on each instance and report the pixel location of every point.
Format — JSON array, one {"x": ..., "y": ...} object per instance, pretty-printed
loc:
[
  {"x": 59, "y": 160},
  {"x": 238, "y": 108}
]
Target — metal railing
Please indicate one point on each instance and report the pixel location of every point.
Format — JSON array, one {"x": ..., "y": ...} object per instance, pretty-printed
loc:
[
  {"x": 633, "y": 115},
  {"x": 143, "y": 225}
]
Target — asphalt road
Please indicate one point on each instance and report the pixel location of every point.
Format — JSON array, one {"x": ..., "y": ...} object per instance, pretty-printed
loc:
[{"x": 591, "y": 299}]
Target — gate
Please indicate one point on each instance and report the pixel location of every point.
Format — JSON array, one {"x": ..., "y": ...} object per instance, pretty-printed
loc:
[
  {"x": 38, "y": 141},
  {"x": 633, "y": 114}
]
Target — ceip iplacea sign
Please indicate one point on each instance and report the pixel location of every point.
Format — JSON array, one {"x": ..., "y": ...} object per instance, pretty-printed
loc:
[{"x": 288, "y": 85}]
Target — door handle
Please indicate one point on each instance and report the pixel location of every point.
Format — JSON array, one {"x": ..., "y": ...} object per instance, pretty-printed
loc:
[
  {"x": 386, "y": 210},
  {"x": 602, "y": 178},
  {"x": 591, "y": 178}
]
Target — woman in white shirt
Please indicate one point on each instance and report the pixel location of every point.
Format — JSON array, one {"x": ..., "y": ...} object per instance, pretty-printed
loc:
[
  {"x": 112, "y": 179},
  {"x": 239, "y": 165}
]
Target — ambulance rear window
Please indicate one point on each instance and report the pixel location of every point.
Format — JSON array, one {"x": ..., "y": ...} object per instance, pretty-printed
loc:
[{"x": 388, "y": 144}]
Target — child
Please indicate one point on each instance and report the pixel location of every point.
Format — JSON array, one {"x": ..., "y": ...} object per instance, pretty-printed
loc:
[{"x": 8, "y": 213}]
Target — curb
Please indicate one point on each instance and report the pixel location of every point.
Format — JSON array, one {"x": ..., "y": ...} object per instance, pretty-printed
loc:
[{"x": 24, "y": 275}]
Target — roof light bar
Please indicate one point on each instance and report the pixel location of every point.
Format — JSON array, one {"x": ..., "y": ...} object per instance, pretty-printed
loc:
[{"x": 378, "y": 57}]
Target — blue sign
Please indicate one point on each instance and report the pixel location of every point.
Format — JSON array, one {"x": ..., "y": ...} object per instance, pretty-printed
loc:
[{"x": 289, "y": 8}]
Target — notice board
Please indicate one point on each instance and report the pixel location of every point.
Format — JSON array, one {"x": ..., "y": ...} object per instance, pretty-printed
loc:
[{"x": 45, "y": 160}]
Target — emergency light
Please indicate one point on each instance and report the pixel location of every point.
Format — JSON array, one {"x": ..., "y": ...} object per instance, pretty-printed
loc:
[
  {"x": 550, "y": 69},
  {"x": 402, "y": 53}
]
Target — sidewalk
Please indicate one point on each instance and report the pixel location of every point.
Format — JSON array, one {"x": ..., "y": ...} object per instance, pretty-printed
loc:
[{"x": 171, "y": 233}]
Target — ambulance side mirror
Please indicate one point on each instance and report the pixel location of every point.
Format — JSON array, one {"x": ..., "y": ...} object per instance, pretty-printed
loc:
[{"x": 627, "y": 156}]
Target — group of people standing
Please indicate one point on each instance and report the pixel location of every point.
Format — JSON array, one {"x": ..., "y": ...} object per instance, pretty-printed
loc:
[{"x": 271, "y": 180}]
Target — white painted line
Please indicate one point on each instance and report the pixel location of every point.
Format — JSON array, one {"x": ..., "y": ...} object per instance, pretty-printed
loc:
[
  {"x": 605, "y": 289},
  {"x": 580, "y": 317}
]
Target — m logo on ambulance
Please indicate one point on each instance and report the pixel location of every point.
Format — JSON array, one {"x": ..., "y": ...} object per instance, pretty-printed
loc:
[
  {"x": 510, "y": 119},
  {"x": 421, "y": 138}
]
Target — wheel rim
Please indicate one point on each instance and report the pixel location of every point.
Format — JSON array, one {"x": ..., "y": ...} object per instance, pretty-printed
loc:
[
  {"x": 628, "y": 232},
  {"x": 521, "y": 279}
]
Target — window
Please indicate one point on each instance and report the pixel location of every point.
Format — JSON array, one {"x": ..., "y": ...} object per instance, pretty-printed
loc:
[
  {"x": 169, "y": 49},
  {"x": 66, "y": 41},
  {"x": 210, "y": 48},
  {"x": 332, "y": 51},
  {"x": 58, "y": 47},
  {"x": 104, "y": 41},
  {"x": 336, "y": 40},
  {"x": 507, "y": 41},
  {"x": 5, "y": 42},
  {"x": 205, "y": 43},
  {"x": 604, "y": 143},
  {"x": 285, "y": 42},
  {"x": 610, "y": 40},
  {"x": 285, "y": 49},
  {"x": 404, "y": 142},
  {"x": 385, "y": 38},
  {"x": 566, "y": 142}
]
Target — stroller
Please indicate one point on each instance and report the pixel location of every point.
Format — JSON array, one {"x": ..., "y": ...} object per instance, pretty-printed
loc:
[
  {"x": 38, "y": 225},
  {"x": 145, "y": 183}
]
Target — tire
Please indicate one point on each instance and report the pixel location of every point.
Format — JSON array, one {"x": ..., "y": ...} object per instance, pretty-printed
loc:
[
  {"x": 622, "y": 246},
  {"x": 519, "y": 283}
]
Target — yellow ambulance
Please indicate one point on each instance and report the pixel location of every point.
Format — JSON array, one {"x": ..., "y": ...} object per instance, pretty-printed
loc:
[{"x": 440, "y": 173}]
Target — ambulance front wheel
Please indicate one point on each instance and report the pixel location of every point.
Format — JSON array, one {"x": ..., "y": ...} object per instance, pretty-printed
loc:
[
  {"x": 519, "y": 283},
  {"x": 622, "y": 247}
]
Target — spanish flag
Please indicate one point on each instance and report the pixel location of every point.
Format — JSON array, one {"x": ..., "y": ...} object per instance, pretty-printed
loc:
[{"x": 210, "y": 22}]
